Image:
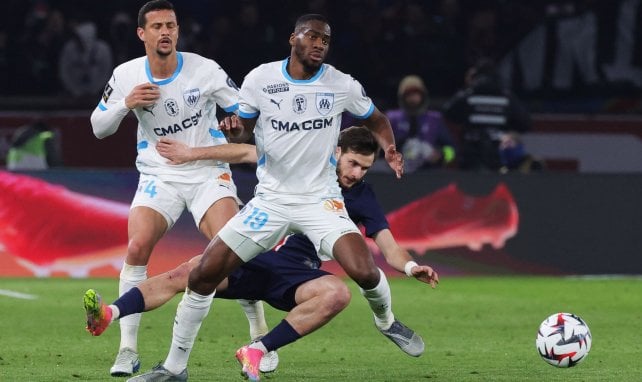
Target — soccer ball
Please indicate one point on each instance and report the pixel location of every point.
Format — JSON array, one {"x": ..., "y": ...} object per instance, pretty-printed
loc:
[{"x": 563, "y": 340}]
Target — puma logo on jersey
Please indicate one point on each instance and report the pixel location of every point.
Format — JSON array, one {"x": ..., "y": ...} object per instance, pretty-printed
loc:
[
  {"x": 278, "y": 104},
  {"x": 149, "y": 110}
]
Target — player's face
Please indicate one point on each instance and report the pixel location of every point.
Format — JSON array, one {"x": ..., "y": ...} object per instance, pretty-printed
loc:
[
  {"x": 352, "y": 167},
  {"x": 311, "y": 43},
  {"x": 160, "y": 34}
]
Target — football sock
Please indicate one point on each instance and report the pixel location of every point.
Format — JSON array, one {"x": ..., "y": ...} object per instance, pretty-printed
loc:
[
  {"x": 255, "y": 317},
  {"x": 115, "y": 313},
  {"x": 130, "y": 276},
  {"x": 129, "y": 303},
  {"x": 191, "y": 312},
  {"x": 258, "y": 345},
  {"x": 281, "y": 335},
  {"x": 380, "y": 302}
]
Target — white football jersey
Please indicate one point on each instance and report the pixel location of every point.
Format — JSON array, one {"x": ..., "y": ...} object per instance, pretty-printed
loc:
[
  {"x": 297, "y": 129},
  {"x": 186, "y": 111}
]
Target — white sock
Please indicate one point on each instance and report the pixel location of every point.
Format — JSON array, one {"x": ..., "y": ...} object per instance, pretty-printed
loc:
[
  {"x": 115, "y": 312},
  {"x": 258, "y": 345},
  {"x": 380, "y": 302},
  {"x": 191, "y": 312},
  {"x": 255, "y": 317},
  {"x": 130, "y": 276}
]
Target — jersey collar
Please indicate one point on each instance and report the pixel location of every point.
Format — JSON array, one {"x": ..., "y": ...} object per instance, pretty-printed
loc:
[
  {"x": 284, "y": 70},
  {"x": 179, "y": 66}
]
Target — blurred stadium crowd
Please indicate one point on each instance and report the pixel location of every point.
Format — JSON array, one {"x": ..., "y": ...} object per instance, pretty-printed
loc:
[{"x": 585, "y": 51}]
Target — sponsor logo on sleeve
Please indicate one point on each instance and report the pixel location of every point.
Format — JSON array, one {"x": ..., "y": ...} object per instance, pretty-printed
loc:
[
  {"x": 231, "y": 83},
  {"x": 107, "y": 92}
]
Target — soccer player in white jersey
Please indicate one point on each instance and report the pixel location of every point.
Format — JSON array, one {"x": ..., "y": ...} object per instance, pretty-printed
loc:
[
  {"x": 172, "y": 94},
  {"x": 294, "y": 107}
]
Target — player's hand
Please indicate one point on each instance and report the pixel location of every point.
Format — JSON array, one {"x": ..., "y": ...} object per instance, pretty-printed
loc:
[
  {"x": 142, "y": 95},
  {"x": 395, "y": 160},
  {"x": 425, "y": 274},
  {"x": 177, "y": 152},
  {"x": 231, "y": 126}
]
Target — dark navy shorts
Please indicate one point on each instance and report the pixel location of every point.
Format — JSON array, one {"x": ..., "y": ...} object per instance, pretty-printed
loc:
[{"x": 274, "y": 276}]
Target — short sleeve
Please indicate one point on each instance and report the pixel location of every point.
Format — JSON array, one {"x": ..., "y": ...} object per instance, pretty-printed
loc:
[
  {"x": 226, "y": 92},
  {"x": 359, "y": 104},
  {"x": 248, "y": 105}
]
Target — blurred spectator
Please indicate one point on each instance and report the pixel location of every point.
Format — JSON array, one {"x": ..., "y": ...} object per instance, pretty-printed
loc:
[
  {"x": 438, "y": 40},
  {"x": 5, "y": 63},
  {"x": 34, "y": 147},
  {"x": 490, "y": 120},
  {"x": 421, "y": 134},
  {"x": 123, "y": 41},
  {"x": 482, "y": 40},
  {"x": 190, "y": 40},
  {"x": 85, "y": 62},
  {"x": 250, "y": 30},
  {"x": 36, "y": 50}
]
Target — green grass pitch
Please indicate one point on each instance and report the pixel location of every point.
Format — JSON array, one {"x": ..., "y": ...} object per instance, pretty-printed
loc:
[{"x": 475, "y": 328}]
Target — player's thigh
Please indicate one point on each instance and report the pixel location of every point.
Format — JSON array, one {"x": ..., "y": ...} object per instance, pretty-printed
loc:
[
  {"x": 162, "y": 197},
  {"x": 217, "y": 215},
  {"x": 324, "y": 223},
  {"x": 211, "y": 204},
  {"x": 352, "y": 253},
  {"x": 216, "y": 263}
]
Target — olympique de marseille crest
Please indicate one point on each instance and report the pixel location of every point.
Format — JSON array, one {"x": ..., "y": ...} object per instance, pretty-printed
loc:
[
  {"x": 324, "y": 103},
  {"x": 191, "y": 97}
]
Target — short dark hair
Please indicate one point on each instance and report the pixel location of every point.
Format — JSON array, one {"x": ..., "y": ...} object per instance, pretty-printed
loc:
[
  {"x": 309, "y": 17},
  {"x": 154, "y": 5},
  {"x": 358, "y": 139}
]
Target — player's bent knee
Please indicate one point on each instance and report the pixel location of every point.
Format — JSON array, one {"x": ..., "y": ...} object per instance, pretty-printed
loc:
[
  {"x": 342, "y": 298},
  {"x": 337, "y": 297},
  {"x": 138, "y": 253},
  {"x": 366, "y": 278}
]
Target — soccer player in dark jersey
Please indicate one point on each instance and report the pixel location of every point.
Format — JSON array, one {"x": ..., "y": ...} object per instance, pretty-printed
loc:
[{"x": 289, "y": 279}]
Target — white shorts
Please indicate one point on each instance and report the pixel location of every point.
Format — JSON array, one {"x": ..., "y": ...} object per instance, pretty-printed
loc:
[
  {"x": 260, "y": 225},
  {"x": 171, "y": 198}
]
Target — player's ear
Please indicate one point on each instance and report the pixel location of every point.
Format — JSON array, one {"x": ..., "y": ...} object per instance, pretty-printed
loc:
[
  {"x": 291, "y": 40},
  {"x": 141, "y": 33},
  {"x": 337, "y": 152}
]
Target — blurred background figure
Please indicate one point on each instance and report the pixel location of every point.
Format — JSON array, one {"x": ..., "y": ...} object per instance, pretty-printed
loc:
[
  {"x": 420, "y": 134},
  {"x": 34, "y": 147},
  {"x": 85, "y": 62},
  {"x": 490, "y": 120},
  {"x": 123, "y": 42}
]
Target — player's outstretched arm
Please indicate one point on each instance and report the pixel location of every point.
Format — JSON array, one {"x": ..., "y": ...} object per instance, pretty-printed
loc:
[
  {"x": 178, "y": 152},
  {"x": 400, "y": 259},
  {"x": 379, "y": 124}
]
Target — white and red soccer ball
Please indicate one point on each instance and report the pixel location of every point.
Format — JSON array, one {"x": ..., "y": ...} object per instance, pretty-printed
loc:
[{"x": 563, "y": 340}]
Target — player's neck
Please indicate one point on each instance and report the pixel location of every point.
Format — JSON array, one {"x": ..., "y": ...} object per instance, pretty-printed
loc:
[
  {"x": 162, "y": 66},
  {"x": 298, "y": 71}
]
